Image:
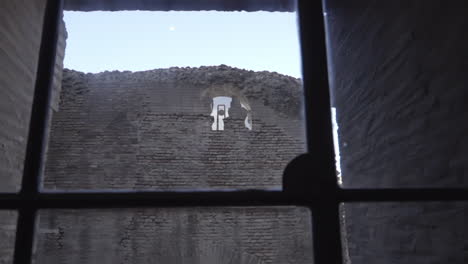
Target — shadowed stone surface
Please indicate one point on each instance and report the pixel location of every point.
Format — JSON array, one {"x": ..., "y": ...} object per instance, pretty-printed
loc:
[
  {"x": 399, "y": 85},
  {"x": 398, "y": 75}
]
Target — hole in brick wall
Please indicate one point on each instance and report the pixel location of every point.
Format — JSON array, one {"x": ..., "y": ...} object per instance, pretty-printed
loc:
[{"x": 220, "y": 111}]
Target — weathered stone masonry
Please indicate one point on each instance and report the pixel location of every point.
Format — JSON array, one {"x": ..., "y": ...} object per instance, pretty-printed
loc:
[
  {"x": 152, "y": 130},
  {"x": 233, "y": 235}
]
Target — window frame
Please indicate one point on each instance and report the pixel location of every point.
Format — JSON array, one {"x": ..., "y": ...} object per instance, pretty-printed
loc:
[{"x": 309, "y": 180}]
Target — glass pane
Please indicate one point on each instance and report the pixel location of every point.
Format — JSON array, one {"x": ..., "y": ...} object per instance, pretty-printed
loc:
[
  {"x": 20, "y": 33},
  {"x": 7, "y": 235},
  {"x": 207, "y": 126},
  {"x": 406, "y": 233},
  {"x": 176, "y": 235},
  {"x": 398, "y": 79}
]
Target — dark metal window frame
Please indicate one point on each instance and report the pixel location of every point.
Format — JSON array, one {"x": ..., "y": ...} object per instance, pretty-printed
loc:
[{"x": 309, "y": 180}]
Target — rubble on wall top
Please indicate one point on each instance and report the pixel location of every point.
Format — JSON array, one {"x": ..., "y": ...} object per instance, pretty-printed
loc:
[
  {"x": 198, "y": 74},
  {"x": 282, "y": 92}
]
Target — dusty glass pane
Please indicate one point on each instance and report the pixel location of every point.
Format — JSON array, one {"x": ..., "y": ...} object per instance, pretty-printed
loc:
[
  {"x": 20, "y": 35},
  {"x": 406, "y": 233},
  {"x": 175, "y": 235},
  {"x": 398, "y": 83},
  {"x": 7, "y": 236},
  {"x": 198, "y": 127}
]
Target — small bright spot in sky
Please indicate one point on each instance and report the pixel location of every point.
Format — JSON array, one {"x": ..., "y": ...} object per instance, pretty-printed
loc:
[{"x": 145, "y": 40}]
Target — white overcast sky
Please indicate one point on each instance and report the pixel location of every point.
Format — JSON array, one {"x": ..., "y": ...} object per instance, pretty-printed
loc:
[{"x": 144, "y": 40}]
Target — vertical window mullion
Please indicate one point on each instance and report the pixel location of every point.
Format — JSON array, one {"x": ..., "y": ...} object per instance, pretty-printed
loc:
[
  {"x": 37, "y": 133},
  {"x": 326, "y": 222}
]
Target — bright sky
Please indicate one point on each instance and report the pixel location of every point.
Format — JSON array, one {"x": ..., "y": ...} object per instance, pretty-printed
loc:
[{"x": 144, "y": 40}]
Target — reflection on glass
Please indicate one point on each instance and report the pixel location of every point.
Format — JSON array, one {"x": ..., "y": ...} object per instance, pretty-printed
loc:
[
  {"x": 7, "y": 235},
  {"x": 231, "y": 235},
  {"x": 406, "y": 233},
  {"x": 203, "y": 127}
]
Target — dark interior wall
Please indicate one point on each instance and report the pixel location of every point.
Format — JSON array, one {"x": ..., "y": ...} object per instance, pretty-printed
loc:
[
  {"x": 20, "y": 27},
  {"x": 399, "y": 84},
  {"x": 398, "y": 74}
]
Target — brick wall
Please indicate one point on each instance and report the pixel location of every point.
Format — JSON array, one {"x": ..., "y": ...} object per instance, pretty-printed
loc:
[
  {"x": 152, "y": 130},
  {"x": 253, "y": 235},
  {"x": 398, "y": 73}
]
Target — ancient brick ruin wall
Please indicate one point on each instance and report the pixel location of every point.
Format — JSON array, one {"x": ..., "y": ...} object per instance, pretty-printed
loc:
[
  {"x": 233, "y": 235},
  {"x": 398, "y": 73},
  {"x": 7, "y": 233},
  {"x": 152, "y": 130}
]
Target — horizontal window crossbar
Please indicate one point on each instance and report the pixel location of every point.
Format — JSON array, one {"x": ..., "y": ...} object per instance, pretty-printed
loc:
[
  {"x": 403, "y": 195},
  {"x": 234, "y": 198}
]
